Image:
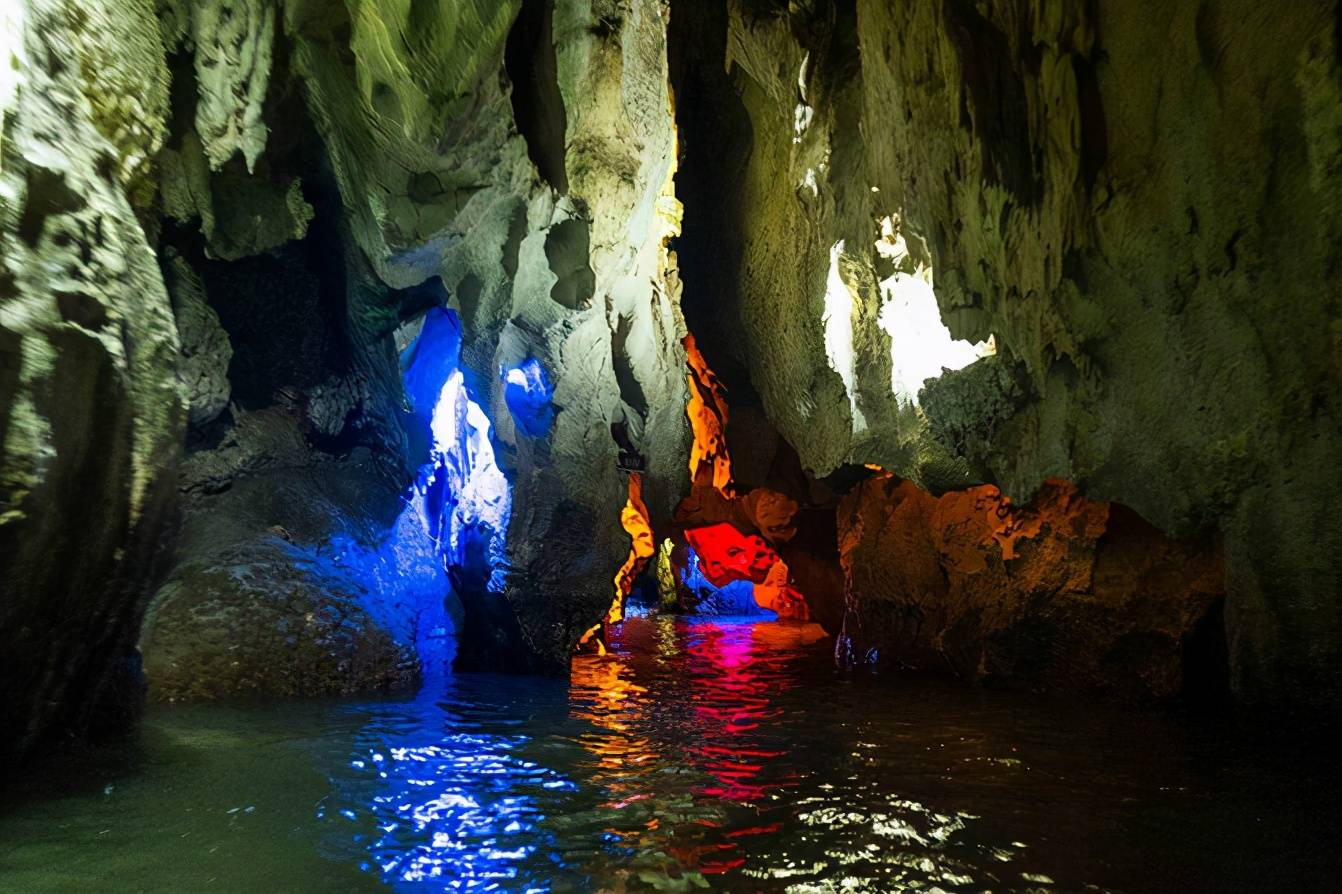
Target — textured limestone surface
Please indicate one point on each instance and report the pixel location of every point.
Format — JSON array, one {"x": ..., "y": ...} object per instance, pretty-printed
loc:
[
  {"x": 233, "y": 47},
  {"x": 91, "y": 412},
  {"x": 325, "y": 182},
  {"x": 205, "y": 350},
  {"x": 998, "y": 243},
  {"x": 1062, "y": 592},
  {"x": 1138, "y": 202},
  {"x": 303, "y": 580},
  {"x": 1157, "y": 246}
]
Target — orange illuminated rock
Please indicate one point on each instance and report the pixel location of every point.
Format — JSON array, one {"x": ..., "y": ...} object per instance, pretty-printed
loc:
[
  {"x": 771, "y": 513},
  {"x": 710, "y": 461},
  {"x": 634, "y": 519},
  {"x": 1065, "y": 592},
  {"x": 778, "y": 595}
]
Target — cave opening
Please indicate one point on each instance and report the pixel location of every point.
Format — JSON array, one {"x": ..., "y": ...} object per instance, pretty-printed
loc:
[
  {"x": 717, "y": 558},
  {"x": 460, "y": 495}
]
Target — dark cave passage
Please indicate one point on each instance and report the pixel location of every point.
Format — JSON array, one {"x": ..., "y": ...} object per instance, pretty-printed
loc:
[{"x": 538, "y": 107}]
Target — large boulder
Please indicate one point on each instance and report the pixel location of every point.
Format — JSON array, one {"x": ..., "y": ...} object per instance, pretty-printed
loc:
[{"x": 310, "y": 580}]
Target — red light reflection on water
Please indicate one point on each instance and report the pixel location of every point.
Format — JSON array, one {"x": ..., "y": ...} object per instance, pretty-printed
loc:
[
  {"x": 727, "y": 676},
  {"x": 736, "y": 671}
]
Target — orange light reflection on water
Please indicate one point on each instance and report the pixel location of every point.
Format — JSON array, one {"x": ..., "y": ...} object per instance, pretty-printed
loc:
[{"x": 728, "y": 734}]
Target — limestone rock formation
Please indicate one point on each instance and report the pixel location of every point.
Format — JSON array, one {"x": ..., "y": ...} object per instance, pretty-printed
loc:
[
  {"x": 406, "y": 159},
  {"x": 938, "y": 257},
  {"x": 91, "y": 413},
  {"x": 1138, "y": 203},
  {"x": 233, "y": 49},
  {"x": 206, "y": 352},
  {"x": 305, "y": 580},
  {"x": 1063, "y": 592}
]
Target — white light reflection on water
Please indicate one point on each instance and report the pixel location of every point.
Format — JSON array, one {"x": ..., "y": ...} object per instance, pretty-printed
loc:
[{"x": 697, "y": 755}]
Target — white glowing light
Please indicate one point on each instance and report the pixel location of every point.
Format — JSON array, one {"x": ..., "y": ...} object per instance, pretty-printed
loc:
[
  {"x": 11, "y": 54},
  {"x": 464, "y": 453},
  {"x": 801, "y": 120},
  {"x": 838, "y": 322},
  {"x": 921, "y": 346},
  {"x": 810, "y": 182}
]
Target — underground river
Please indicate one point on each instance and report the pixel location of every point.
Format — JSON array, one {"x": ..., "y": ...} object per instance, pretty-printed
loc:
[{"x": 698, "y": 754}]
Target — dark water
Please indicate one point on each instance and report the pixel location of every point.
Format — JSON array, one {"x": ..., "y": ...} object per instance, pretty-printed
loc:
[{"x": 699, "y": 755}]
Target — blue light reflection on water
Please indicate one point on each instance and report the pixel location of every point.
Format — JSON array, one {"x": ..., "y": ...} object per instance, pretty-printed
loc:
[
  {"x": 494, "y": 783},
  {"x": 437, "y": 803}
]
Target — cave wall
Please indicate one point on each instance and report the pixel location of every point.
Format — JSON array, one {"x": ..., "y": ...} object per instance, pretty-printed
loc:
[
  {"x": 91, "y": 410},
  {"x": 1163, "y": 268},
  {"x": 1137, "y": 202},
  {"x": 411, "y": 157},
  {"x": 222, "y": 223}
]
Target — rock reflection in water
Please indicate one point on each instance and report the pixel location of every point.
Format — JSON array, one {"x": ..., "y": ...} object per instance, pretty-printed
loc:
[
  {"x": 672, "y": 763},
  {"x": 697, "y": 754},
  {"x": 730, "y": 755}
]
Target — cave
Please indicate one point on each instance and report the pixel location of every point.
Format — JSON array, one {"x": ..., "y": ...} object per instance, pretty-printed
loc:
[{"x": 842, "y": 445}]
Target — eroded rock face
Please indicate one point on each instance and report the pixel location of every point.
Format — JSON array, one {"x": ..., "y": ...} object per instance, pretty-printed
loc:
[
  {"x": 1152, "y": 303},
  {"x": 91, "y": 412},
  {"x": 510, "y": 161},
  {"x": 1063, "y": 592},
  {"x": 1137, "y": 201},
  {"x": 205, "y": 349},
  {"x": 1135, "y": 207}
]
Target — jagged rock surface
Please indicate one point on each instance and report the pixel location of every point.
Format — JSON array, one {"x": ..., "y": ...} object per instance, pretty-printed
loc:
[
  {"x": 1156, "y": 245},
  {"x": 206, "y": 353},
  {"x": 303, "y": 580},
  {"x": 1140, "y": 202},
  {"x": 1064, "y": 592},
  {"x": 91, "y": 412},
  {"x": 416, "y": 160}
]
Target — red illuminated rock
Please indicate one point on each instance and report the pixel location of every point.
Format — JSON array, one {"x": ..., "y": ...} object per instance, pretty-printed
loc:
[{"x": 725, "y": 554}]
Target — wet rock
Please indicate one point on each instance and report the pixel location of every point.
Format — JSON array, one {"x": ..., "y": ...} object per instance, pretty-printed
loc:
[
  {"x": 91, "y": 411},
  {"x": 1062, "y": 592},
  {"x": 1174, "y": 399},
  {"x": 1129, "y": 217}
]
